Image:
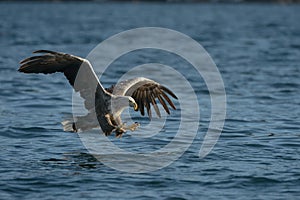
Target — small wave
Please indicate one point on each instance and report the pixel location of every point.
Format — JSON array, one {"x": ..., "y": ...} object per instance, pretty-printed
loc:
[
  {"x": 285, "y": 85},
  {"x": 254, "y": 180},
  {"x": 26, "y": 132}
]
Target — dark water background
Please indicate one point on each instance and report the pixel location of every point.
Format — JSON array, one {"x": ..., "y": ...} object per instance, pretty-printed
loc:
[{"x": 257, "y": 50}]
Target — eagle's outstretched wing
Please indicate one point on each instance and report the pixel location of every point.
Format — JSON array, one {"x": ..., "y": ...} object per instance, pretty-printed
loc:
[
  {"x": 145, "y": 92},
  {"x": 81, "y": 76},
  {"x": 71, "y": 66}
]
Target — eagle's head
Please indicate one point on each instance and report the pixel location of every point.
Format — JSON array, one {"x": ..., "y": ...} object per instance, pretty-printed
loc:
[{"x": 119, "y": 103}]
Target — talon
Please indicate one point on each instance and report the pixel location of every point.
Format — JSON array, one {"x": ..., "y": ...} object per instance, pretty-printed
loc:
[
  {"x": 134, "y": 126},
  {"x": 119, "y": 131},
  {"x": 119, "y": 135}
]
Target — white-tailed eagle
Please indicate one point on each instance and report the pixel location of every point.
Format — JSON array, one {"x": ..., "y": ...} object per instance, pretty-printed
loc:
[{"x": 104, "y": 106}]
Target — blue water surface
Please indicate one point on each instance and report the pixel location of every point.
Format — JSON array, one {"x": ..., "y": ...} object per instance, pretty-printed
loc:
[{"x": 257, "y": 50}]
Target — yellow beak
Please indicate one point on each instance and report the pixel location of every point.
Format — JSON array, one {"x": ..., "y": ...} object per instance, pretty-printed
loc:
[{"x": 134, "y": 105}]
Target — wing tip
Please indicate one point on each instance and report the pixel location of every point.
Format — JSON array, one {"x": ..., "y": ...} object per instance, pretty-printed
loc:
[
  {"x": 44, "y": 51},
  {"x": 169, "y": 91}
]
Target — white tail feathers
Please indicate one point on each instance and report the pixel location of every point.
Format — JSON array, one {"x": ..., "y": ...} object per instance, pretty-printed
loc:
[
  {"x": 81, "y": 123},
  {"x": 69, "y": 126}
]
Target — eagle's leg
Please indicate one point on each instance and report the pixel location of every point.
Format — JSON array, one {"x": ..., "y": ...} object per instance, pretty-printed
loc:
[
  {"x": 108, "y": 118},
  {"x": 123, "y": 128},
  {"x": 131, "y": 127},
  {"x": 118, "y": 128}
]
